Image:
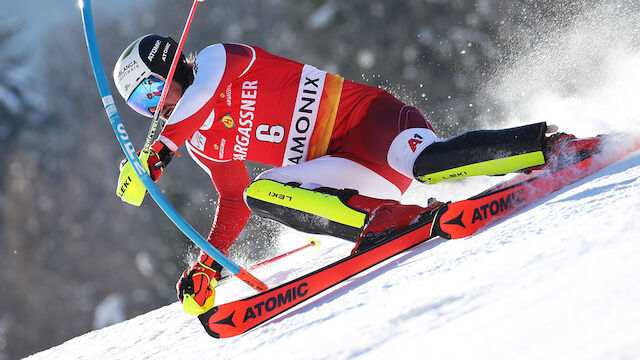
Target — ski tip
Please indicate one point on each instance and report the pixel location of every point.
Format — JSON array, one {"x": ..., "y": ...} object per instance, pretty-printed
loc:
[
  {"x": 204, "y": 320},
  {"x": 204, "y": 317}
]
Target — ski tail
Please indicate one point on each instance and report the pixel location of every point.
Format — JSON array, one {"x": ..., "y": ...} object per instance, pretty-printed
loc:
[{"x": 463, "y": 218}]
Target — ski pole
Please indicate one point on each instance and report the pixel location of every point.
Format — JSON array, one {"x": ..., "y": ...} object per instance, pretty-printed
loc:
[
  {"x": 167, "y": 82},
  {"x": 130, "y": 151},
  {"x": 313, "y": 242}
]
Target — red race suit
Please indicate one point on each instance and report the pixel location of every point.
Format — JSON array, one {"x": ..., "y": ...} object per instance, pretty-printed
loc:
[{"x": 247, "y": 104}]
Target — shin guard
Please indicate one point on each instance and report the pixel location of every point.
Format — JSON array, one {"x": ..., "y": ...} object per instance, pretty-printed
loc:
[
  {"x": 482, "y": 152},
  {"x": 321, "y": 211}
]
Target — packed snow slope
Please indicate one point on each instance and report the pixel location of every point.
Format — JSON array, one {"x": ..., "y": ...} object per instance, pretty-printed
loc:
[{"x": 558, "y": 279}]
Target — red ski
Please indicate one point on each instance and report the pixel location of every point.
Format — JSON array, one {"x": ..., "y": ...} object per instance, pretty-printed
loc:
[
  {"x": 454, "y": 220},
  {"x": 237, "y": 317},
  {"x": 463, "y": 218}
]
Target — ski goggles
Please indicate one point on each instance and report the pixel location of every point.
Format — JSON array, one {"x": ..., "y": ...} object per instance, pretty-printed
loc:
[{"x": 146, "y": 96}]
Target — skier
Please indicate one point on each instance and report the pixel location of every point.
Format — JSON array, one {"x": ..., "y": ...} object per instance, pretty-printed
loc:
[{"x": 344, "y": 152}]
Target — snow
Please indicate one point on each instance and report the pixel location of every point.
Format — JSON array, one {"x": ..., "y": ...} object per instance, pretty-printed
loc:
[{"x": 558, "y": 279}]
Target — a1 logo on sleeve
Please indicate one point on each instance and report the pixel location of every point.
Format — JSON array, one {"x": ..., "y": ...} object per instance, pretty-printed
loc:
[{"x": 415, "y": 141}]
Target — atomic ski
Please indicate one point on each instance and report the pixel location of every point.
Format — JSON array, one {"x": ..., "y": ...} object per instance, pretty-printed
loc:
[
  {"x": 453, "y": 220},
  {"x": 237, "y": 317}
]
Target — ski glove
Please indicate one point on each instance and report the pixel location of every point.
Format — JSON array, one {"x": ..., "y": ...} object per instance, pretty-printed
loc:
[
  {"x": 130, "y": 188},
  {"x": 196, "y": 287}
]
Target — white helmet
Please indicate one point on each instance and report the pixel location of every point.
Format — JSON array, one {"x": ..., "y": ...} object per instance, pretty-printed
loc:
[{"x": 141, "y": 71}]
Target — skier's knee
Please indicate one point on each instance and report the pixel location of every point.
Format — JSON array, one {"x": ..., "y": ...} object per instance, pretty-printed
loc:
[
  {"x": 406, "y": 147},
  {"x": 320, "y": 211}
]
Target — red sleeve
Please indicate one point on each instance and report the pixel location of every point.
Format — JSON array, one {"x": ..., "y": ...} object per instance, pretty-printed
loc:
[{"x": 230, "y": 179}]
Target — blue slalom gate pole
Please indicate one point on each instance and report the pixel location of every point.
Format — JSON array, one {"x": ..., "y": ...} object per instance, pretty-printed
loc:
[{"x": 130, "y": 152}]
